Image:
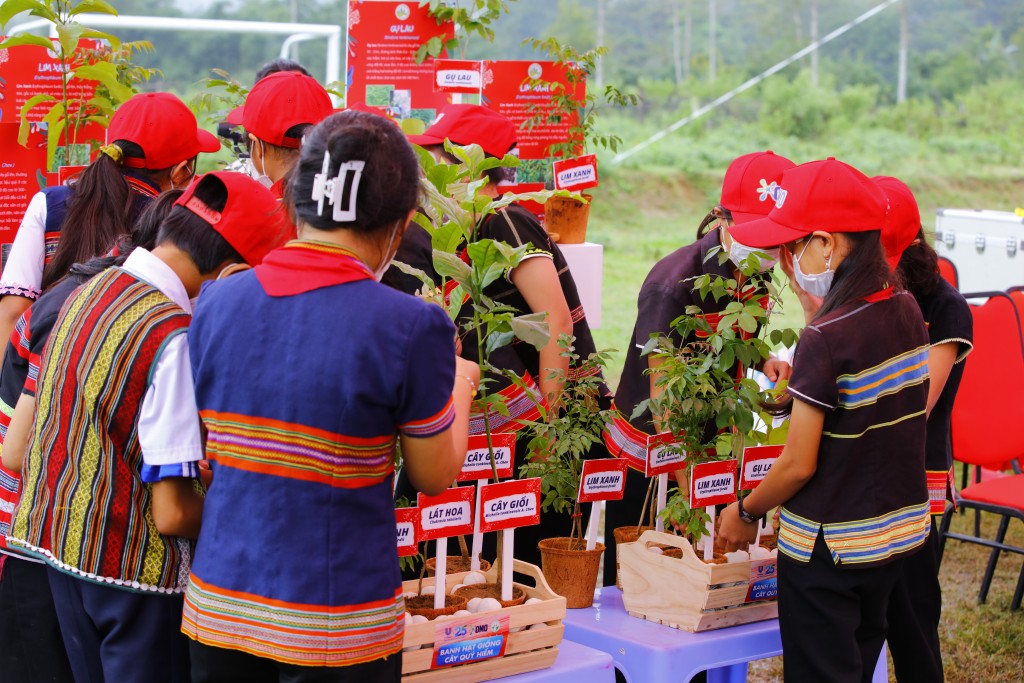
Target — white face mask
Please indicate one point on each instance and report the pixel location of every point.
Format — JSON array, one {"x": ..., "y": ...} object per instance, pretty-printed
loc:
[
  {"x": 383, "y": 267},
  {"x": 739, "y": 253},
  {"x": 815, "y": 285},
  {"x": 259, "y": 175}
]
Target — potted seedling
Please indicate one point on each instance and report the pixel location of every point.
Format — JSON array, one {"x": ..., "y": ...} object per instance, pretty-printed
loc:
[
  {"x": 574, "y": 104},
  {"x": 557, "y": 449}
]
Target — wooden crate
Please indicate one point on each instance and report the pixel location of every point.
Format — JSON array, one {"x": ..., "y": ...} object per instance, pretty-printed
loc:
[
  {"x": 687, "y": 593},
  {"x": 526, "y": 650}
]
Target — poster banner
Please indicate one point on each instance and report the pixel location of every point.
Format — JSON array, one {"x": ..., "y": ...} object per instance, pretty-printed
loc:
[
  {"x": 408, "y": 536},
  {"x": 381, "y": 68},
  {"x": 713, "y": 483},
  {"x": 30, "y": 70},
  {"x": 507, "y": 89},
  {"x": 449, "y": 513},
  {"x": 764, "y": 584},
  {"x": 757, "y": 462},
  {"x": 22, "y": 175},
  {"x": 509, "y": 505},
  {"x": 576, "y": 174},
  {"x": 603, "y": 479},
  {"x": 477, "y": 464}
]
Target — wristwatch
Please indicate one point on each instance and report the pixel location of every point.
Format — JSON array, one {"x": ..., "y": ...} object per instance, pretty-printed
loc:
[{"x": 744, "y": 515}]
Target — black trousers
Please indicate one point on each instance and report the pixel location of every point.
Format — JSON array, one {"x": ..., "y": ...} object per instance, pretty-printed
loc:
[
  {"x": 220, "y": 665},
  {"x": 31, "y": 646},
  {"x": 114, "y": 635},
  {"x": 914, "y": 611},
  {"x": 832, "y": 618}
]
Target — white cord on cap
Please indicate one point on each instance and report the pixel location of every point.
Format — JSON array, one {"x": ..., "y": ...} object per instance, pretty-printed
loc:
[{"x": 332, "y": 189}]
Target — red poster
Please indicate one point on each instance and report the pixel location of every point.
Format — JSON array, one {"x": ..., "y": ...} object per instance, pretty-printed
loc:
[
  {"x": 664, "y": 454},
  {"x": 477, "y": 464},
  {"x": 576, "y": 174},
  {"x": 22, "y": 174},
  {"x": 603, "y": 479},
  {"x": 381, "y": 68},
  {"x": 509, "y": 504},
  {"x": 713, "y": 483},
  {"x": 406, "y": 522},
  {"x": 447, "y": 514},
  {"x": 457, "y": 75},
  {"x": 507, "y": 90},
  {"x": 30, "y": 70},
  {"x": 757, "y": 462}
]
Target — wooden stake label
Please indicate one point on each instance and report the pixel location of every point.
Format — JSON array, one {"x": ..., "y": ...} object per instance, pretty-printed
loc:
[
  {"x": 664, "y": 454},
  {"x": 757, "y": 462},
  {"x": 509, "y": 505},
  {"x": 713, "y": 483},
  {"x": 603, "y": 479},
  {"x": 447, "y": 514},
  {"x": 477, "y": 463},
  {"x": 405, "y": 519}
]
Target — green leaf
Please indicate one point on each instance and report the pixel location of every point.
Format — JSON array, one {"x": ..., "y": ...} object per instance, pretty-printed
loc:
[
  {"x": 9, "y": 8},
  {"x": 115, "y": 42},
  {"x": 532, "y": 329},
  {"x": 68, "y": 35},
  {"x": 106, "y": 74},
  {"x": 94, "y": 6},
  {"x": 26, "y": 39},
  {"x": 450, "y": 265},
  {"x": 447, "y": 238},
  {"x": 30, "y": 104}
]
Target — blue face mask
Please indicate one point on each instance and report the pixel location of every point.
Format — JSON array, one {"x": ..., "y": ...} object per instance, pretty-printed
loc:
[{"x": 815, "y": 285}]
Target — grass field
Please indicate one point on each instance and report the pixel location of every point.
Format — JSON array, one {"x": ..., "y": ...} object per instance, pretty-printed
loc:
[{"x": 640, "y": 217}]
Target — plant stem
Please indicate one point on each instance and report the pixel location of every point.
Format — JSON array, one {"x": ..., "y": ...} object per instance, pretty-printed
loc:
[{"x": 647, "y": 499}]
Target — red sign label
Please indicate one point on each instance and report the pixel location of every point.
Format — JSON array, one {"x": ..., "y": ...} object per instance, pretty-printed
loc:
[
  {"x": 477, "y": 464},
  {"x": 757, "y": 462},
  {"x": 405, "y": 520},
  {"x": 603, "y": 479},
  {"x": 457, "y": 75},
  {"x": 475, "y": 640},
  {"x": 507, "y": 90},
  {"x": 447, "y": 514},
  {"x": 576, "y": 174},
  {"x": 664, "y": 454},
  {"x": 381, "y": 66},
  {"x": 713, "y": 483},
  {"x": 509, "y": 504}
]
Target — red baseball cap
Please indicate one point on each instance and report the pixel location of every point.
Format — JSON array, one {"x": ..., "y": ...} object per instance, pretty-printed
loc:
[
  {"x": 280, "y": 101},
  {"x": 468, "y": 124},
  {"x": 819, "y": 195},
  {"x": 163, "y": 127},
  {"x": 904, "y": 218},
  {"x": 751, "y": 185},
  {"x": 252, "y": 221}
]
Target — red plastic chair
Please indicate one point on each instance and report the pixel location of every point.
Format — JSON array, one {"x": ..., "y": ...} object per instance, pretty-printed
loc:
[
  {"x": 947, "y": 269},
  {"x": 986, "y": 427}
]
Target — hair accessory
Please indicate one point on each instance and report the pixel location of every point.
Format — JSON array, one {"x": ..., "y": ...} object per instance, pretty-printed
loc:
[
  {"x": 333, "y": 189},
  {"x": 114, "y": 152}
]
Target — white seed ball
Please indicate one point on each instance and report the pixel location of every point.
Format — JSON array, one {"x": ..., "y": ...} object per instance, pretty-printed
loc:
[
  {"x": 473, "y": 578},
  {"x": 409, "y": 594},
  {"x": 533, "y": 601},
  {"x": 488, "y": 604},
  {"x": 474, "y": 604},
  {"x": 737, "y": 556},
  {"x": 408, "y": 619},
  {"x": 455, "y": 588},
  {"x": 656, "y": 550},
  {"x": 760, "y": 553},
  {"x": 534, "y": 627},
  {"x": 419, "y": 619},
  {"x": 428, "y": 590},
  {"x": 463, "y": 613}
]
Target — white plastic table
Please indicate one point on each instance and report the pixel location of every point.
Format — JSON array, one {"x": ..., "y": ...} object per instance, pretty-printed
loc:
[
  {"x": 575, "y": 664},
  {"x": 646, "y": 652}
]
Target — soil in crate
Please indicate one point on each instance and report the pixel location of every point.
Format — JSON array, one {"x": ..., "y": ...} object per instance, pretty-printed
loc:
[
  {"x": 424, "y": 605},
  {"x": 491, "y": 590},
  {"x": 456, "y": 564}
]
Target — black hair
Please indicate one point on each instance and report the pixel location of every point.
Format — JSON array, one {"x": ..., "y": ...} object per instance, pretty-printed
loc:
[
  {"x": 194, "y": 236},
  {"x": 715, "y": 214},
  {"x": 918, "y": 269},
  {"x": 863, "y": 272},
  {"x": 389, "y": 184},
  {"x": 279, "y": 64}
]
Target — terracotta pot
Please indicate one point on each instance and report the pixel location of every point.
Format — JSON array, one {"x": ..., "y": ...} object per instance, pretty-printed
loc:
[
  {"x": 566, "y": 219},
  {"x": 491, "y": 590},
  {"x": 571, "y": 572},
  {"x": 456, "y": 565},
  {"x": 424, "y": 605},
  {"x": 625, "y": 534}
]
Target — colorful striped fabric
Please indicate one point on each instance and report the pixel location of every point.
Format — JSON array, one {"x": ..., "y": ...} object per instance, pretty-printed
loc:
[
  {"x": 296, "y": 451},
  {"x": 522, "y": 405},
  {"x": 865, "y": 388},
  {"x": 84, "y": 507},
  {"x": 293, "y": 633},
  {"x": 431, "y": 425},
  {"x": 940, "y": 484},
  {"x": 858, "y": 542},
  {"x": 626, "y": 441}
]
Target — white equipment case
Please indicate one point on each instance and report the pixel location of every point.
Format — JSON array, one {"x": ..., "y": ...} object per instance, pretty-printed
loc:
[{"x": 985, "y": 246}]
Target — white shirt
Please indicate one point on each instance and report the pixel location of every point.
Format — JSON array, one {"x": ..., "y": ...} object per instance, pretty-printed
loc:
[
  {"x": 23, "y": 272},
  {"x": 169, "y": 432}
]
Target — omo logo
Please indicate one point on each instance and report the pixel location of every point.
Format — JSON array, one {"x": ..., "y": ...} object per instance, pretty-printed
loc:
[
  {"x": 535, "y": 71},
  {"x": 402, "y": 12}
]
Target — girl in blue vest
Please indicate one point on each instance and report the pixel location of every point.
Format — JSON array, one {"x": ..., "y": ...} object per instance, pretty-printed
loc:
[
  {"x": 154, "y": 144},
  {"x": 851, "y": 479}
]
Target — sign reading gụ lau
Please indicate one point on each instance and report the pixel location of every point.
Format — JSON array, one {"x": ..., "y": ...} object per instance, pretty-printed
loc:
[
  {"x": 576, "y": 174},
  {"x": 664, "y": 454},
  {"x": 477, "y": 464},
  {"x": 447, "y": 514},
  {"x": 603, "y": 479},
  {"x": 509, "y": 504},
  {"x": 406, "y": 523},
  {"x": 713, "y": 483},
  {"x": 457, "y": 76},
  {"x": 757, "y": 462}
]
